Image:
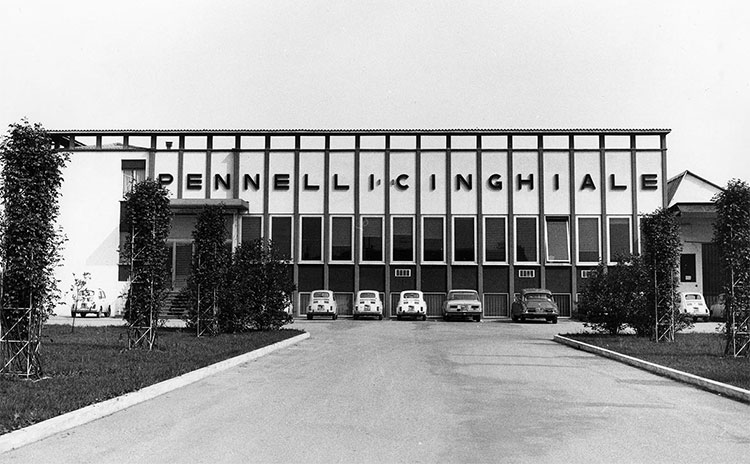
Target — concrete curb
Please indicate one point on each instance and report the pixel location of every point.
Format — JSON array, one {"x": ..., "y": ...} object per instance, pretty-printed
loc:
[
  {"x": 32, "y": 433},
  {"x": 713, "y": 386}
]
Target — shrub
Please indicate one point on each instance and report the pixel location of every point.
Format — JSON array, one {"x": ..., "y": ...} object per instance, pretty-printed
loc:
[
  {"x": 614, "y": 295},
  {"x": 258, "y": 288}
]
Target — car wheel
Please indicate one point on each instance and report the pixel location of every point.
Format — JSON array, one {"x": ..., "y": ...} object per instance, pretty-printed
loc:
[
  {"x": 515, "y": 318},
  {"x": 309, "y": 317},
  {"x": 478, "y": 318},
  {"x": 380, "y": 317},
  {"x": 109, "y": 312},
  {"x": 523, "y": 319},
  {"x": 554, "y": 320},
  {"x": 398, "y": 317},
  {"x": 335, "y": 316},
  {"x": 424, "y": 317}
]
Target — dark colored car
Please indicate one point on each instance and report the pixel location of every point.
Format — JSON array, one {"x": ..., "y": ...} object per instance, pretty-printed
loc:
[{"x": 535, "y": 303}]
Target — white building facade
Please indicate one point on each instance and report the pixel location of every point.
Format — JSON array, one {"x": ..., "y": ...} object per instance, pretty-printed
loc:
[{"x": 386, "y": 210}]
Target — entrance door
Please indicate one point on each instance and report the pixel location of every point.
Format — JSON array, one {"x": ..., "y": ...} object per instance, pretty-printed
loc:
[{"x": 180, "y": 259}]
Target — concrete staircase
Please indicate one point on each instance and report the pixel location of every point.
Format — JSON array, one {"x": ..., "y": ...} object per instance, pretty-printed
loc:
[{"x": 175, "y": 305}]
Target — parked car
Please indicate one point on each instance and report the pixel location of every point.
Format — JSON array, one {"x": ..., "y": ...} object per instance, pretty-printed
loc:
[
  {"x": 368, "y": 304},
  {"x": 462, "y": 303},
  {"x": 693, "y": 304},
  {"x": 411, "y": 304},
  {"x": 716, "y": 312},
  {"x": 322, "y": 303},
  {"x": 534, "y": 303},
  {"x": 90, "y": 302}
]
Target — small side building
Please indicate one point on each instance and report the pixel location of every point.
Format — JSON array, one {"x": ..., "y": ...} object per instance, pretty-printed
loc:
[{"x": 691, "y": 199}]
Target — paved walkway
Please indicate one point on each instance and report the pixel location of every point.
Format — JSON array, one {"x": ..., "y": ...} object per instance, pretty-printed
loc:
[{"x": 388, "y": 391}]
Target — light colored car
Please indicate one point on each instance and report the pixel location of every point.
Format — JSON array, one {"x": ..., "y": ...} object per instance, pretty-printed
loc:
[
  {"x": 693, "y": 304},
  {"x": 716, "y": 312},
  {"x": 368, "y": 304},
  {"x": 411, "y": 304},
  {"x": 322, "y": 303},
  {"x": 90, "y": 302},
  {"x": 534, "y": 303},
  {"x": 462, "y": 303}
]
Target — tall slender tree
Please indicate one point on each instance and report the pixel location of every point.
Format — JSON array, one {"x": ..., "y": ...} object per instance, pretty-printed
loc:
[
  {"x": 732, "y": 235},
  {"x": 30, "y": 242},
  {"x": 149, "y": 218},
  {"x": 211, "y": 256}
]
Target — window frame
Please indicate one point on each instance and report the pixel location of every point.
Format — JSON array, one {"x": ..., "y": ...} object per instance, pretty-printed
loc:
[
  {"x": 578, "y": 240},
  {"x": 609, "y": 236},
  {"x": 515, "y": 239},
  {"x": 443, "y": 221},
  {"x": 361, "y": 239},
  {"x": 413, "y": 239},
  {"x": 556, "y": 218},
  {"x": 485, "y": 248},
  {"x": 453, "y": 236},
  {"x": 262, "y": 223},
  {"x": 301, "y": 238},
  {"x": 351, "y": 239},
  {"x": 291, "y": 231}
]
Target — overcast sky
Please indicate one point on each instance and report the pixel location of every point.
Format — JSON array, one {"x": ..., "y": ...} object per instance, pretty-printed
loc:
[{"x": 682, "y": 65}]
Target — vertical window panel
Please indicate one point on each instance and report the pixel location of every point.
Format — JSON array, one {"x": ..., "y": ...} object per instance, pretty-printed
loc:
[
  {"x": 433, "y": 241},
  {"x": 558, "y": 239},
  {"x": 619, "y": 237},
  {"x": 312, "y": 239},
  {"x": 494, "y": 240},
  {"x": 251, "y": 228},
  {"x": 527, "y": 243},
  {"x": 464, "y": 238},
  {"x": 372, "y": 239},
  {"x": 403, "y": 239},
  {"x": 341, "y": 239},
  {"x": 589, "y": 248},
  {"x": 281, "y": 234}
]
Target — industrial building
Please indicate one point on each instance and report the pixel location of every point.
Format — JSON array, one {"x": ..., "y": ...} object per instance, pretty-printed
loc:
[{"x": 495, "y": 210}]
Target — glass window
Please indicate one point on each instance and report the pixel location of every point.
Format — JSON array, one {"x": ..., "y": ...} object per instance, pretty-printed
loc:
[
  {"x": 687, "y": 268},
  {"x": 251, "y": 228},
  {"x": 619, "y": 237},
  {"x": 433, "y": 248},
  {"x": 494, "y": 240},
  {"x": 463, "y": 239},
  {"x": 526, "y": 240},
  {"x": 312, "y": 239},
  {"x": 281, "y": 234},
  {"x": 372, "y": 239},
  {"x": 558, "y": 242},
  {"x": 341, "y": 239},
  {"x": 588, "y": 240},
  {"x": 403, "y": 239},
  {"x": 133, "y": 171}
]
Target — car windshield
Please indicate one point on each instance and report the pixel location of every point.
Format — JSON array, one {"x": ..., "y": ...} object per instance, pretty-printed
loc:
[
  {"x": 320, "y": 295},
  {"x": 367, "y": 295},
  {"x": 411, "y": 295},
  {"x": 693, "y": 296},
  {"x": 463, "y": 296},
  {"x": 537, "y": 296}
]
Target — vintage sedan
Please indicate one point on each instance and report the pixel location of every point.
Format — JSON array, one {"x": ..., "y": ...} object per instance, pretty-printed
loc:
[
  {"x": 411, "y": 304},
  {"x": 322, "y": 303},
  {"x": 534, "y": 303},
  {"x": 462, "y": 304},
  {"x": 90, "y": 302},
  {"x": 693, "y": 305},
  {"x": 368, "y": 304}
]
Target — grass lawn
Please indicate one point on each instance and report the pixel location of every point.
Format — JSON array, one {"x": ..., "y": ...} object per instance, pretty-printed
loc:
[
  {"x": 701, "y": 354},
  {"x": 92, "y": 365}
]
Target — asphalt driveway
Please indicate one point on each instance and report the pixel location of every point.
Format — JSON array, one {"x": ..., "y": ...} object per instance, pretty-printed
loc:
[{"x": 390, "y": 391}]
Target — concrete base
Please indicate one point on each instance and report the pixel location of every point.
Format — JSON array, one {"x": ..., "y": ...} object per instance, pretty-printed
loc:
[{"x": 713, "y": 386}]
